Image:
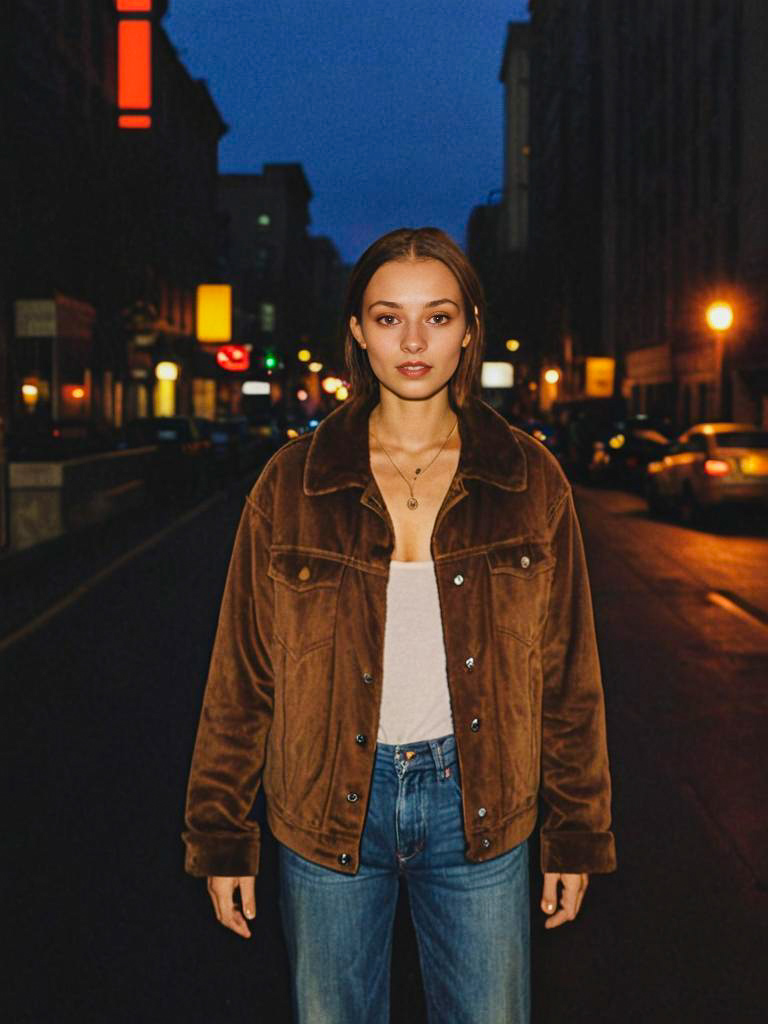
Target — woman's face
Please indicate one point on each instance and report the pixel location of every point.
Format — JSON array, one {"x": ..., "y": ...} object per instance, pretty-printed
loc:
[{"x": 412, "y": 313}]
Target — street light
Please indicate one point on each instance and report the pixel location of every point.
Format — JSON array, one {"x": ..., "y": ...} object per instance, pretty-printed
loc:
[{"x": 719, "y": 316}]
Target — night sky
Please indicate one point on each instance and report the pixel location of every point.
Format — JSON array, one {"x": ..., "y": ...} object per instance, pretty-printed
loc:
[{"x": 394, "y": 109}]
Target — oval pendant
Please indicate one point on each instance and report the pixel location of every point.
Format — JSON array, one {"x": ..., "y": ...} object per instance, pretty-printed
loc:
[{"x": 412, "y": 503}]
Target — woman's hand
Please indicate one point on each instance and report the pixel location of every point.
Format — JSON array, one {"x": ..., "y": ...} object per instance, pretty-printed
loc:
[
  {"x": 222, "y": 892},
  {"x": 571, "y": 895}
]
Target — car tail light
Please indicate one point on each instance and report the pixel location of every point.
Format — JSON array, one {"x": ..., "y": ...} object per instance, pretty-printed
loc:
[{"x": 716, "y": 467}]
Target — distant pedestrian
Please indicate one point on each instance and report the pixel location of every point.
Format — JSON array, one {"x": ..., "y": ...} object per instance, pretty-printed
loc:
[{"x": 406, "y": 658}]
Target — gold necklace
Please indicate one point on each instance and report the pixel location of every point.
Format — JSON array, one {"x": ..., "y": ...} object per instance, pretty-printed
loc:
[{"x": 412, "y": 502}]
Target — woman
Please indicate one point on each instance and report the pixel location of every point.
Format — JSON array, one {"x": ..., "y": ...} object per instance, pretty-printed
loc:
[{"x": 406, "y": 655}]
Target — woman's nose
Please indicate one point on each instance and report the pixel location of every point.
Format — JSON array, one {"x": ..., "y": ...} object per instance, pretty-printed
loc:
[{"x": 412, "y": 340}]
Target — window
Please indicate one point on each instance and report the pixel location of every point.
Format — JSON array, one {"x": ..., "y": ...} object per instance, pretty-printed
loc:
[{"x": 264, "y": 220}]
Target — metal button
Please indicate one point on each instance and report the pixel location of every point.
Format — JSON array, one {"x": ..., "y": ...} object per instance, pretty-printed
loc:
[
  {"x": 367, "y": 677},
  {"x": 481, "y": 812},
  {"x": 352, "y": 797},
  {"x": 344, "y": 858},
  {"x": 360, "y": 739},
  {"x": 486, "y": 843},
  {"x": 525, "y": 561},
  {"x": 304, "y": 572},
  {"x": 469, "y": 664},
  {"x": 458, "y": 579},
  {"x": 474, "y": 725}
]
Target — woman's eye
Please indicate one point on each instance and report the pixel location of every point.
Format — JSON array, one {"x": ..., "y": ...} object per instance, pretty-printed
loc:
[
  {"x": 440, "y": 318},
  {"x": 387, "y": 319}
]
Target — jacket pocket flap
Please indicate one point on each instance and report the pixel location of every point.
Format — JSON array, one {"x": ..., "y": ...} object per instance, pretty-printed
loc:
[
  {"x": 302, "y": 571},
  {"x": 526, "y": 559}
]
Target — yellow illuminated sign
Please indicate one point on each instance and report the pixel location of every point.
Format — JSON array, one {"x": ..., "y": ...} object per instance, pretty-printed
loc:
[{"x": 214, "y": 312}]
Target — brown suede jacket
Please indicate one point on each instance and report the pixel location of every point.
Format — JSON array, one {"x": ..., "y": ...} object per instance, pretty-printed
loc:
[{"x": 294, "y": 686}]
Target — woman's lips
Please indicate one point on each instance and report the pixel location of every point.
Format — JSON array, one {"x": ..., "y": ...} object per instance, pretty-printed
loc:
[{"x": 414, "y": 371}]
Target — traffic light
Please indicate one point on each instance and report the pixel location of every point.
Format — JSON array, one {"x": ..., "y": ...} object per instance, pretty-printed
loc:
[{"x": 270, "y": 361}]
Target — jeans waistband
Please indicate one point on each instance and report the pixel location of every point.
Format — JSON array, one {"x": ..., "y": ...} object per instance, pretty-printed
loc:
[{"x": 438, "y": 753}]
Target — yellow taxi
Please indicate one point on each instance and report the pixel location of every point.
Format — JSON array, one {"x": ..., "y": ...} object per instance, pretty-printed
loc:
[{"x": 711, "y": 464}]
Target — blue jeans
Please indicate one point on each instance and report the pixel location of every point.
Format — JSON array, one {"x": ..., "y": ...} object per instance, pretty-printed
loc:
[{"x": 471, "y": 919}]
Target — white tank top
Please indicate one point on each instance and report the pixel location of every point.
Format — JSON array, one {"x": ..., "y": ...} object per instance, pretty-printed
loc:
[{"x": 415, "y": 704}]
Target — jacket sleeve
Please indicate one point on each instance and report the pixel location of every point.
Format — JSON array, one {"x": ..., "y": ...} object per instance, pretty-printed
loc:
[
  {"x": 229, "y": 752},
  {"x": 575, "y": 782}
]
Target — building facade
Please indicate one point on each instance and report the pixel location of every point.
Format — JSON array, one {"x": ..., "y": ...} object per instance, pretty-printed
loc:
[{"x": 107, "y": 231}]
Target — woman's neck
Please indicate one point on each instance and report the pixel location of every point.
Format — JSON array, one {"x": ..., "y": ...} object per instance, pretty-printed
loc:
[{"x": 409, "y": 426}]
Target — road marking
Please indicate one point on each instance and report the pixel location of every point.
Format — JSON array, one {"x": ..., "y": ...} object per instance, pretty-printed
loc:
[
  {"x": 738, "y": 606},
  {"x": 94, "y": 581}
]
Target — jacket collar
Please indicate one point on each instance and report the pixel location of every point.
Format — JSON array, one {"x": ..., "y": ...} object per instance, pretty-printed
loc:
[{"x": 339, "y": 455}]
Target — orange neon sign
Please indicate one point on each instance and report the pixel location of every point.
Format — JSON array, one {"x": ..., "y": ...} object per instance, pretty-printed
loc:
[{"x": 134, "y": 65}]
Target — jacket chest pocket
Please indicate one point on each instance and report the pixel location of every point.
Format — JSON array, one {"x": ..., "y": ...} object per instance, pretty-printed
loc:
[
  {"x": 521, "y": 578},
  {"x": 306, "y": 597}
]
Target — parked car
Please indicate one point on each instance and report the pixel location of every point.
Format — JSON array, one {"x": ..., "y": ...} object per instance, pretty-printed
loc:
[
  {"x": 581, "y": 422},
  {"x": 621, "y": 455},
  {"x": 236, "y": 447},
  {"x": 183, "y": 467},
  {"x": 550, "y": 435},
  {"x": 709, "y": 466}
]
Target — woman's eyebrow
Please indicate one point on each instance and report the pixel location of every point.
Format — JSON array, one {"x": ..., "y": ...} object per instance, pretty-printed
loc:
[{"x": 427, "y": 305}]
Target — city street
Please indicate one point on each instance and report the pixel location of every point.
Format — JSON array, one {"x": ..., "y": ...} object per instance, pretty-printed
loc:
[{"x": 100, "y": 709}]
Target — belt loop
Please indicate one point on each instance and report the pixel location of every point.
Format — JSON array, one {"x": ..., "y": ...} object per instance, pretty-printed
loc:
[{"x": 437, "y": 756}]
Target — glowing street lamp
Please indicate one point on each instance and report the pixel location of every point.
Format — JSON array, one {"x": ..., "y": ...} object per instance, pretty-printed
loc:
[
  {"x": 719, "y": 317},
  {"x": 304, "y": 355},
  {"x": 512, "y": 345},
  {"x": 552, "y": 376}
]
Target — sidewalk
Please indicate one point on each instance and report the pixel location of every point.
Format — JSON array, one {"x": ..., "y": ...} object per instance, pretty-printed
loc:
[{"x": 34, "y": 579}]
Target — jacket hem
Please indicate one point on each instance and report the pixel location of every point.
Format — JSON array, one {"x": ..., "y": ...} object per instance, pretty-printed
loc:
[{"x": 592, "y": 853}]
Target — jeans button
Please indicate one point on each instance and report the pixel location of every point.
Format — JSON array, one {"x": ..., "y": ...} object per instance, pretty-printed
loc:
[
  {"x": 352, "y": 797},
  {"x": 525, "y": 561},
  {"x": 481, "y": 812},
  {"x": 360, "y": 739},
  {"x": 469, "y": 664},
  {"x": 367, "y": 678},
  {"x": 458, "y": 579},
  {"x": 474, "y": 725},
  {"x": 486, "y": 843},
  {"x": 344, "y": 858}
]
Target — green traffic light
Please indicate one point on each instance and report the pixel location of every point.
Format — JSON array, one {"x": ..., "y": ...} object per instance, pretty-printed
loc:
[{"x": 270, "y": 361}]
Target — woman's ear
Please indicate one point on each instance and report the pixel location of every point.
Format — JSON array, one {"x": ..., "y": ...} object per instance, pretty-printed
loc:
[{"x": 356, "y": 331}]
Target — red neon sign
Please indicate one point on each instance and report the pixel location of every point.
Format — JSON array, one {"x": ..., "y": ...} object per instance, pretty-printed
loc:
[
  {"x": 234, "y": 358},
  {"x": 134, "y": 65}
]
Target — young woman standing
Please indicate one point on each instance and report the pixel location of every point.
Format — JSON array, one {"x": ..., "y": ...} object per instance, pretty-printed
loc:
[{"x": 406, "y": 658}]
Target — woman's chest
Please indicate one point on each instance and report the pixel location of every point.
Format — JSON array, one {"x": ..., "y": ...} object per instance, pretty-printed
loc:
[{"x": 413, "y": 523}]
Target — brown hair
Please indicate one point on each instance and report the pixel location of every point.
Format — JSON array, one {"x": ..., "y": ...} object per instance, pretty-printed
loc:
[{"x": 416, "y": 244}]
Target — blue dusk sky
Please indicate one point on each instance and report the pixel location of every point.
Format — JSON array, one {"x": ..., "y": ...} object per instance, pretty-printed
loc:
[{"x": 394, "y": 109}]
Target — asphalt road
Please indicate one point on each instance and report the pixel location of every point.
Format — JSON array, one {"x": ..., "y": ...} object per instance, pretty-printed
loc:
[{"x": 100, "y": 709}]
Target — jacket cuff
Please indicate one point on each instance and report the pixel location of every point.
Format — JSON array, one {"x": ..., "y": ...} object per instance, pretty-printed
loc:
[
  {"x": 229, "y": 856},
  {"x": 591, "y": 853}
]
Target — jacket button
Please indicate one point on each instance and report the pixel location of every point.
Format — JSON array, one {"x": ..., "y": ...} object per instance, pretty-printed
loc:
[
  {"x": 344, "y": 858},
  {"x": 367, "y": 677},
  {"x": 360, "y": 739},
  {"x": 481, "y": 812},
  {"x": 352, "y": 797},
  {"x": 304, "y": 573},
  {"x": 486, "y": 843},
  {"x": 469, "y": 664},
  {"x": 525, "y": 561},
  {"x": 458, "y": 579},
  {"x": 474, "y": 725}
]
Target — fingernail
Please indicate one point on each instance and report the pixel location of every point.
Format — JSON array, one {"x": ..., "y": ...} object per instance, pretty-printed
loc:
[{"x": 248, "y": 912}]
